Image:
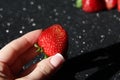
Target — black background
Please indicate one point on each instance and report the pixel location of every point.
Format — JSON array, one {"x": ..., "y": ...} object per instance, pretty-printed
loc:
[{"x": 93, "y": 52}]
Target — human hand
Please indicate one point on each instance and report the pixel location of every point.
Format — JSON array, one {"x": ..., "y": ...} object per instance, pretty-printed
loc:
[{"x": 20, "y": 51}]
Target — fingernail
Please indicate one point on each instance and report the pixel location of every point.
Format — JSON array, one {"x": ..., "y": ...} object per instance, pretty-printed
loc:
[{"x": 57, "y": 60}]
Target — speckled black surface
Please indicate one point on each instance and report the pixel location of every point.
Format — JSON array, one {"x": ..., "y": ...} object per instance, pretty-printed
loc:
[{"x": 94, "y": 38}]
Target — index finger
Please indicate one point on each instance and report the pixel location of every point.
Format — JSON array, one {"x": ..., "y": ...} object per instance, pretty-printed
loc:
[{"x": 14, "y": 49}]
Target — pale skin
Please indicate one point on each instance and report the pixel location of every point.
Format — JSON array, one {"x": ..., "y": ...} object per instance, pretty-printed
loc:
[{"x": 20, "y": 51}]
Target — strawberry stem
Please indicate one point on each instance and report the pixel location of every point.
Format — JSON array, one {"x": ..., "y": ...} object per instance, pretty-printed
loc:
[
  {"x": 78, "y": 3},
  {"x": 36, "y": 45},
  {"x": 40, "y": 50},
  {"x": 45, "y": 56}
]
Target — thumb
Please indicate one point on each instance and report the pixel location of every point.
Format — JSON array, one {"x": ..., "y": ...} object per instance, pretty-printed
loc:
[{"x": 45, "y": 68}]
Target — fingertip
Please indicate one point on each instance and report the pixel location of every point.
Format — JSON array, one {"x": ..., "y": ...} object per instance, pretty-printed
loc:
[{"x": 57, "y": 60}]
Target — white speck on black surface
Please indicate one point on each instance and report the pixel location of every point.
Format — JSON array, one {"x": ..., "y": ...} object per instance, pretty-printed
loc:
[
  {"x": 81, "y": 51},
  {"x": 31, "y": 20},
  {"x": 83, "y": 75},
  {"x": 98, "y": 15},
  {"x": 8, "y": 23},
  {"x": 24, "y": 9},
  {"x": 7, "y": 30},
  {"x": 64, "y": 11},
  {"x": 31, "y": 3},
  {"x": 20, "y": 31},
  {"x": 1, "y": 9},
  {"x": 109, "y": 31},
  {"x": 39, "y": 7},
  {"x": 56, "y": 19},
  {"x": 83, "y": 42},
  {"x": 1, "y": 16},
  {"x": 69, "y": 17},
  {"x": 56, "y": 13},
  {"x": 33, "y": 24},
  {"x": 83, "y": 22},
  {"x": 79, "y": 37},
  {"x": 50, "y": 17},
  {"x": 23, "y": 27}
]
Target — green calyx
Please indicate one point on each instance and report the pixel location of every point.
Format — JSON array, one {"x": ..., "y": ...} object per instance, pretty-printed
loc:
[
  {"x": 78, "y": 4},
  {"x": 40, "y": 50}
]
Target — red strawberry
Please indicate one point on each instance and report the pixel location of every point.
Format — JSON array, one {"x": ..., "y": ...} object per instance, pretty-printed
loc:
[
  {"x": 110, "y": 4},
  {"x": 53, "y": 40},
  {"x": 118, "y": 5},
  {"x": 93, "y": 5}
]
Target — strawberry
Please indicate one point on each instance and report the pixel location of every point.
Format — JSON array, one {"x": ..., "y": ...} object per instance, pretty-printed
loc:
[
  {"x": 110, "y": 4},
  {"x": 53, "y": 40},
  {"x": 118, "y": 5},
  {"x": 93, "y": 5}
]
